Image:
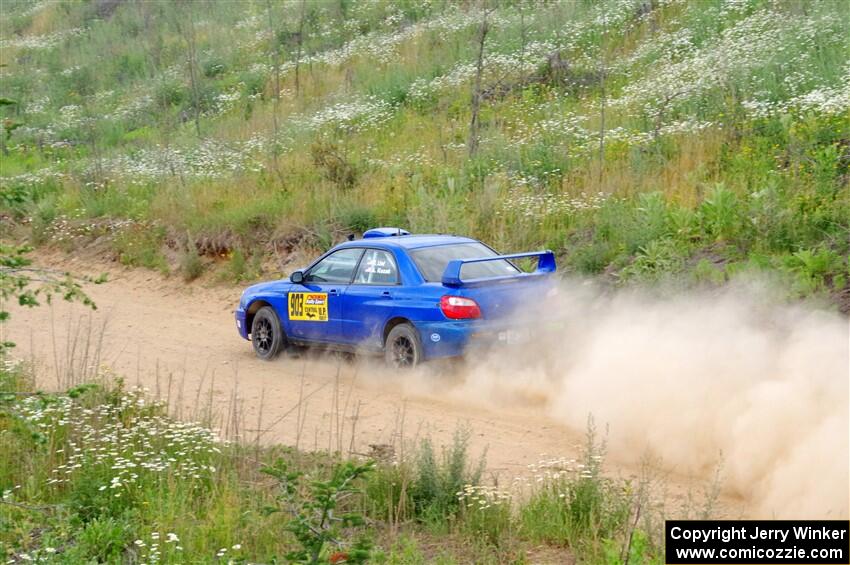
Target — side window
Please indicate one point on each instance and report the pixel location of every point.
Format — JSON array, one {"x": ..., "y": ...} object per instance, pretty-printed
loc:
[
  {"x": 377, "y": 267},
  {"x": 337, "y": 267}
]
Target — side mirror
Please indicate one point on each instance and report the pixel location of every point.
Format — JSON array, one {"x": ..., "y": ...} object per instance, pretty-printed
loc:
[{"x": 297, "y": 277}]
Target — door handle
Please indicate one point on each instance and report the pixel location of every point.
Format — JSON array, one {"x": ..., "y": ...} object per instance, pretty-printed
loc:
[
  {"x": 333, "y": 292},
  {"x": 386, "y": 294}
]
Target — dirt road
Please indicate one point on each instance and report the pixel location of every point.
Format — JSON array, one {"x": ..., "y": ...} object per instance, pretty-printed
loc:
[{"x": 180, "y": 341}]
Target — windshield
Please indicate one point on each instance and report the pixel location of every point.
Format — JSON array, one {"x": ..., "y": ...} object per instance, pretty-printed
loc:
[{"x": 432, "y": 261}]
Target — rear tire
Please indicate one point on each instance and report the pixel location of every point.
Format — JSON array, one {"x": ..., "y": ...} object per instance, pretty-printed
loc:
[
  {"x": 403, "y": 349},
  {"x": 267, "y": 334}
]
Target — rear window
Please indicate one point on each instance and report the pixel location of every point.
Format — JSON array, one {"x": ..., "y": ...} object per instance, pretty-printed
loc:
[{"x": 432, "y": 261}]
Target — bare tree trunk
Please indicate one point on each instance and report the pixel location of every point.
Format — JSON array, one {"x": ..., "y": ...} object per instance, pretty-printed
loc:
[
  {"x": 153, "y": 50},
  {"x": 602, "y": 130},
  {"x": 276, "y": 55},
  {"x": 474, "y": 124},
  {"x": 602, "y": 102},
  {"x": 300, "y": 44},
  {"x": 92, "y": 139},
  {"x": 190, "y": 40},
  {"x": 523, "y": 40}
]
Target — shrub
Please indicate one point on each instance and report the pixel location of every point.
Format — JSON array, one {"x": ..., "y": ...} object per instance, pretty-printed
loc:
[
  {"x": 683, "y": 224},
  {"x": 721, "y": 214},
  {"x": 815, "y": 269},
  {"x": 170, "y": 93},
  {"x": 438, "y": 480},
  {"x": 706, "y": 272},
  {"x": 657, "y": 259},
  {"x": 311, "y": 506},
  {"x": 653, "y": 214},
  {"x": 43, "y": 215},
  {"x": 191, "y": 264},
  {"x": 89, "y": 502},
  {"x": 591, "y": 258},
  {"x": 333, "y": 164},
  {"x": 388, "y": 497},
  {"x": 359, "y": 219},
  {"x": 486, "y": 514},
  {"x": 426, "y": 486},
  {"x": 243, "y": 268},
  {"x": 574, "y": 504},
  {"x": 254, "y": 83},
  {"x": 15, "y": 198},
  {"x": 214, "y": 67},
  {"x": 104, "y": 539}
]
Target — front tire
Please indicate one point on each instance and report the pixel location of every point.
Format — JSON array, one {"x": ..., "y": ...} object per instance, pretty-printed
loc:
[
  {"x": 403, "y": 349},
  {"x": 267, "y": 334}
]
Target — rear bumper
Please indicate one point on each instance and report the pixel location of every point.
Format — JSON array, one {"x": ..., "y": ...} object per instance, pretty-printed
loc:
[
  {"x": 241, "y": 326},
  {"x": 454, "y": 338}
]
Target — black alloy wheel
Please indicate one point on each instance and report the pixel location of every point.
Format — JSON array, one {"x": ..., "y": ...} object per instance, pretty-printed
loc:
[
  {"x": 403, "y": 349},
  {"x": 267, "y": 334}
]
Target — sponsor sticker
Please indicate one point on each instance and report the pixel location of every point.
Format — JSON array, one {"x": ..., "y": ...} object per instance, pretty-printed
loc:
[{"x": 308, "y": 306}]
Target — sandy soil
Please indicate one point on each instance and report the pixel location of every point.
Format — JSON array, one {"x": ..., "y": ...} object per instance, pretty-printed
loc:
[{"x": 180, "y": 341}]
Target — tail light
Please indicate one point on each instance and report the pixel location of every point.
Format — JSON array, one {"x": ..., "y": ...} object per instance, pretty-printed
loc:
[{"x": 459, "y": 308}]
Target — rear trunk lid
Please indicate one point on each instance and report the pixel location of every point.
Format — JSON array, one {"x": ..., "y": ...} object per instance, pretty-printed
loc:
[{"x": 519, "y": 295}]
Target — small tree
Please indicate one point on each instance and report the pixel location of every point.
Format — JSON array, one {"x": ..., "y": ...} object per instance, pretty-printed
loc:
[
  {"x": 21, "y": 282},
  {"x": 189, "y": 36},
  {"x": 275, "y": 56},
  {"x": 313, "y": 518},
  {"x": 300, "y": 44},
  {"x": 474, "y": 123}
]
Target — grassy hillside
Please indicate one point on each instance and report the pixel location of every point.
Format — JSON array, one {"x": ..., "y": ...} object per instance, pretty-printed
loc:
[{"x": 640, "y": 139}]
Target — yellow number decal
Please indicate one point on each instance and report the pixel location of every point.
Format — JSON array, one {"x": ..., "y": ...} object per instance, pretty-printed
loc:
[{"x": 308, "y": 306}]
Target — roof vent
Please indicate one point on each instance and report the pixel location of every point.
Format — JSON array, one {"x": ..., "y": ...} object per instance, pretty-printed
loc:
[{"x": 384, "y": 232}]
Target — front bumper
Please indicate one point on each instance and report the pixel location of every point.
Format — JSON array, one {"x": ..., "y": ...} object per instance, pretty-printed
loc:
[{"x": 241, "y": 325}]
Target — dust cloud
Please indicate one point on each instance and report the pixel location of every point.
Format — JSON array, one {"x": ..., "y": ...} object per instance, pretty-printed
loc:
[{"x": 728, "y": 377}]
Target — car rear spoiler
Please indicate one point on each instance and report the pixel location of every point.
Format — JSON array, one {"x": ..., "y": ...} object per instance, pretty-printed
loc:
[{"x": 545, "y": 266}]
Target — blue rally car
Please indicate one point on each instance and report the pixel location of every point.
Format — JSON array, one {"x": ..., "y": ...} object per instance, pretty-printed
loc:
[{"x": 409, "y": 297}]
